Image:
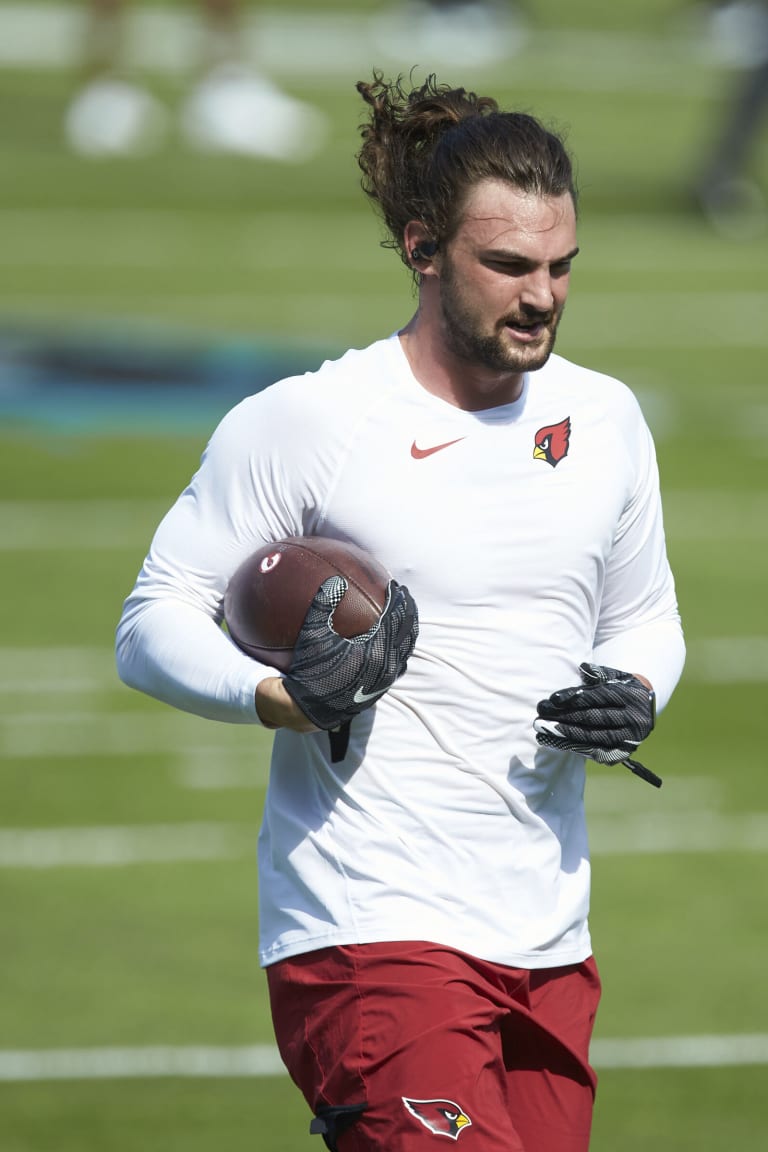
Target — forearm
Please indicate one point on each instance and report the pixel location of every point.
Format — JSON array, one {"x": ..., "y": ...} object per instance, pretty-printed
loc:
[
  {"x": 179, "y": 655},
  {"x": 654, "y": 651}
]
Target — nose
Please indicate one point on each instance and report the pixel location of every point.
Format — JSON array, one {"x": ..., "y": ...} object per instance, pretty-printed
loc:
[{"x": 537, "y": 292}]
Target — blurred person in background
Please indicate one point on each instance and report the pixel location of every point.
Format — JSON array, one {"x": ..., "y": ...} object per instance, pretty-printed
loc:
[
  {"x": 725, "y": 188},
  {"x": 233, "y": 107},
  {"x": 451, "y": 31}
]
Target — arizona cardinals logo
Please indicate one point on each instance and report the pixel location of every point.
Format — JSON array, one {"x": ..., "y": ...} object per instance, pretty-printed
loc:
[
  {"x": 442, "y": 1117},
  {"x": 551, "y": 443}
]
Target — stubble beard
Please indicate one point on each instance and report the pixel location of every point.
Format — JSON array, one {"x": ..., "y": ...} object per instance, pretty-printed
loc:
[{"x": 468, "y": 342}]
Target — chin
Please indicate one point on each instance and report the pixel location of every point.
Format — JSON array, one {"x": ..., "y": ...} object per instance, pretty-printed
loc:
[
  {"x": 533, "y": 363},
  {"x": 530, "y": 359}
]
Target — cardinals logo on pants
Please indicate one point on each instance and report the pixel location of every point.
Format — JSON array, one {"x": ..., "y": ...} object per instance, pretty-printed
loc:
[
  {"x": 442, "y": 1117},
  {"x": 551, "y": 443}
]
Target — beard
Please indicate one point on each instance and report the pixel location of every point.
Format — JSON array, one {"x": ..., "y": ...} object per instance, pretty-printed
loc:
[{"x": 469, "y": 340}]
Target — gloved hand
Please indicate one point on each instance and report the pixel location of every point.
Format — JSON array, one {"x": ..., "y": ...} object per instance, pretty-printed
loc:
[
  {"x": 332, "y": 679},
  {"x": 605, "y": 718}
]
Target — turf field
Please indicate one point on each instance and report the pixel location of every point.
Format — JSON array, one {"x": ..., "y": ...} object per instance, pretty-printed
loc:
[{"x": 137, "y": 299}]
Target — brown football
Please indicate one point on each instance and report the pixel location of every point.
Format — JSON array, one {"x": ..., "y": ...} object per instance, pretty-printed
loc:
[{"x": 268, "y": 596}]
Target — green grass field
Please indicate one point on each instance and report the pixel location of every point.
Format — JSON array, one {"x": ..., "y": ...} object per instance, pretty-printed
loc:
[{"x": 127, "y": 831}]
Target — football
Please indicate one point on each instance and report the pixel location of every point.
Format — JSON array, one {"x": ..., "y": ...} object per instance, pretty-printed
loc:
[{"x": 268, "y": 596}]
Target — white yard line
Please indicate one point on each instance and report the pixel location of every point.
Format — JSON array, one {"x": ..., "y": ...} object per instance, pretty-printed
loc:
[
  {"x": 51, "y": 732},
  {"x": 150, "y": 1063},
  {"x": 128, "y": 525},
  {"x": 110, "y": 847},
  {"x": 674, "y": 833},
  {"x": 43, "y": 673},
  {"x": 53, "y": 706},
  {"x": 716, "y": 514},
  {"x": 262, "y": 1060},
  {"x": 93, "y": 525},
  {"x": 43, "y": 727},
  {"x": 622, "y": 834},
  {"x": 52, "y": 735},
  {"x": 682, "y": 1051},
  {"x": 728, "y": 660},
  {"x": 612, "y": 792},
  {"x": 221, "y": 769}
]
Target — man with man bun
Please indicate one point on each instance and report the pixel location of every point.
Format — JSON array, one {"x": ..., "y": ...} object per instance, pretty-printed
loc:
[{"x": 424, "y": 901}]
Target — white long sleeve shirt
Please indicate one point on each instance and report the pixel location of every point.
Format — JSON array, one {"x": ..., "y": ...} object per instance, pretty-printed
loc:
[{"x": 531, "y": 538}]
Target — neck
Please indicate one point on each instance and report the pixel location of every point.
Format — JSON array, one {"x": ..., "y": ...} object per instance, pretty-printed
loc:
[{"x": 465, "y": 384}]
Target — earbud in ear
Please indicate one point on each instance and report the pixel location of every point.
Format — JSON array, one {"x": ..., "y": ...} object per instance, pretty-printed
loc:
[{"x": 424, "y": 250}]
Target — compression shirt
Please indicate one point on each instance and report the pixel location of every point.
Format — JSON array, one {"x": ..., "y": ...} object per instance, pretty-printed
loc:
[{"x": 531, "y": 538}]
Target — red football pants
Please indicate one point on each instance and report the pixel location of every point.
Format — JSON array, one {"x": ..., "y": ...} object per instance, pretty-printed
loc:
[{"x": 396, "y": 1044}]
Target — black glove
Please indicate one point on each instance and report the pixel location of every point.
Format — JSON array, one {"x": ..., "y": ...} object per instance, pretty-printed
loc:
[
  {"x": 605, "y": 718},
  {"x": 333, "y": 679}
]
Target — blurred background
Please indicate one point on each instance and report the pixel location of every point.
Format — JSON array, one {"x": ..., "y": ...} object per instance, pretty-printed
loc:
[{"x": 180, "y": 224}]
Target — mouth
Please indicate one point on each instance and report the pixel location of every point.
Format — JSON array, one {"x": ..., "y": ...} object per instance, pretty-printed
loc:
[{"x": 527, "y": 331}]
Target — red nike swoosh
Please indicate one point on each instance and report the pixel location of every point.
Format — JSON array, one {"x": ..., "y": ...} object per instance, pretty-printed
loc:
[{"x": 420, "y": 453}]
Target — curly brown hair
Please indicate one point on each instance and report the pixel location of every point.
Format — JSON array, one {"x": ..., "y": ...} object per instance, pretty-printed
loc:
[{"x": 426, "y": 148}]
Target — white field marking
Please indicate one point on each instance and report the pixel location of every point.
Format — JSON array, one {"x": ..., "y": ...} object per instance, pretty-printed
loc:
[
  {"x": 50, "y": 683},
  {"x": 47, "y": 733},
  {"x": 714, "y": 514},
  {"x": 674, "y": 833},
  {"x": 617, "y": 793},
  {"x": 145, "y": 1063},
  {"x": 191, "y": 740},
  {"x": 219, "y": 770},
  {"x": 681, "y": 1051},
  {"x": 45, "y": 672},
  {"x": 116, "y": 847},
  {"x": 216, "y": 769},
  {"x": 103, "y": 525},
  {"x": 263, "y": 1060},
  {"x": 751, "y": 422},
  {"x": 328, "y": 46},
  {"x": 728, "y": 660},
  {"x": 128, "y": 525},
  {"x": 75, "y": 733},
  {"x": 627, "y": 834}
]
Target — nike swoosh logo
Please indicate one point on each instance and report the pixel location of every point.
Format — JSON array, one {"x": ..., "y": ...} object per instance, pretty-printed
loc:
[
  {"x": 421, "y": 453},
  {"x": 361, "y": 697}
]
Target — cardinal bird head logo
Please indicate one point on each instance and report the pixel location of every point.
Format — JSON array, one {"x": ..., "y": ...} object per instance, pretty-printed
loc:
[
  {"x": 551, "y": 443},
  {"x": 442, "y": 1117}
]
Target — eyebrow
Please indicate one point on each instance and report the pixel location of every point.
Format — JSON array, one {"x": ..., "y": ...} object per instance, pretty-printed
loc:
[{"x": 507, "y": 255}]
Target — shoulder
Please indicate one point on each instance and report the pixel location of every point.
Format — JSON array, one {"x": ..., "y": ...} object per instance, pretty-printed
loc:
[
  {"x": 586, "y": 384},
  {"x": 356, "y": 375},
  {"x": 602, "y": 397},
  {"x": 343, "y": 385},
  {"x": 298, "y": 416},
  {"x": 603, "y": 413}
]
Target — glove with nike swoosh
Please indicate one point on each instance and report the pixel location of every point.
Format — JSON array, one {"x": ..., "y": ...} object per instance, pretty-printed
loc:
[
  {"x": 605, "y": 718},
  {"x": 332, "y": 679}
]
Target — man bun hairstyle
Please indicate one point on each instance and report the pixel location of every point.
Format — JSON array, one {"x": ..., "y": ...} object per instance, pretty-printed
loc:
[{"x": 424, "y": 149}]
